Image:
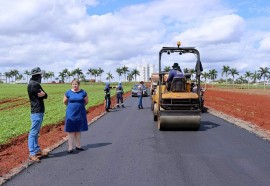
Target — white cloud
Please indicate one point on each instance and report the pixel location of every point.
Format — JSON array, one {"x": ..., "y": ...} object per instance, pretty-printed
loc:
[
  {"x": 219, "y": 30},
  {"x": 265, "y": 44},
  {"x": 60, "y": 34}
]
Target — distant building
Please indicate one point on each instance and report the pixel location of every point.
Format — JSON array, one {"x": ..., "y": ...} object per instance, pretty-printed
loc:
[{"x": 145, "y": 72}]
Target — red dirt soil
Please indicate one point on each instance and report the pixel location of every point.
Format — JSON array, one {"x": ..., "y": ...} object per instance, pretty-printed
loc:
[
  {"x": 15, "y": 153},
  {"x": 248, "y": 106}
]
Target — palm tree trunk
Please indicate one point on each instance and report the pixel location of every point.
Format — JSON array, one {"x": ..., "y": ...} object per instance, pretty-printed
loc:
[
  {"x": 264, "y": 83},
  {"x": 226, "y": 81}
]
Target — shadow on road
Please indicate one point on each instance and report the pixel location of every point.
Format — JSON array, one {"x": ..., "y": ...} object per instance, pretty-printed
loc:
[
  {"x": 206, "y": 125},
  {"x": 86, "y": 147},
  {"x": 96, "y": 145}
]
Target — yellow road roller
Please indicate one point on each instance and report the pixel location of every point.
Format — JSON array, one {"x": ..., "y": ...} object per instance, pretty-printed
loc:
[{"x": 177, "y": 108}]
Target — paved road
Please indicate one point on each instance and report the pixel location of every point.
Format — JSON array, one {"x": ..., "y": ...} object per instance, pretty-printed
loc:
[{"x": 124, "y": 148}]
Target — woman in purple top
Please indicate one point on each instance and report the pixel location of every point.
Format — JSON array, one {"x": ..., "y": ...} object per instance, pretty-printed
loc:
[{"x": 76, "y": 120}]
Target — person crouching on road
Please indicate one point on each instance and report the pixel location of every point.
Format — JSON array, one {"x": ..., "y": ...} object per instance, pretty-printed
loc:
[
  {"x": 119, "y": 95},
  {"x": 107, "y": 92},
  {"x": 140, "y": 94},
  {"x": 36, "y": 96},
  {"x": 76, "y": 121}
]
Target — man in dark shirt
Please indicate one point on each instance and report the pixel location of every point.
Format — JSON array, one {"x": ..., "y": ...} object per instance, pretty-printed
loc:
[
  {"x": 175, "y": 72},
  {"x": 141, "y": 88},
  {"x": 36, "y": 96},
  {"x": 107, "y": 92}
]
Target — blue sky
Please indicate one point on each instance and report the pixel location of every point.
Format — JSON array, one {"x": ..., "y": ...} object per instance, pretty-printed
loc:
[
  {"x": 109, "y": 34},
  {"x": 107, "y": 6},
  {"x": 252, "y": 8}
]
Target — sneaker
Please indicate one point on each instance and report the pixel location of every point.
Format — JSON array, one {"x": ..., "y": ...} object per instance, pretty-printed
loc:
[
  {"x": 123, "y": 106},
  {"x": 42, "y": 153},
  {"x": 107, "y": 110},
  {"x": 34, "y": 158},
  {"x": 118, "y": 106}
]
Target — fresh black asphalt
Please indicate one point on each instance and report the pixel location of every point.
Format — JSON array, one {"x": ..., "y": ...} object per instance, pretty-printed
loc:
[{"x": 124, "y": 148}]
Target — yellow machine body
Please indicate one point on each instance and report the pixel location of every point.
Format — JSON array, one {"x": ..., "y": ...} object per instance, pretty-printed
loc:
[{"x": 179, "y": 109}]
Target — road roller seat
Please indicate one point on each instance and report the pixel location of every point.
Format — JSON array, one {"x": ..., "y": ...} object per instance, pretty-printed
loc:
[{"x": 178, "y": 84}]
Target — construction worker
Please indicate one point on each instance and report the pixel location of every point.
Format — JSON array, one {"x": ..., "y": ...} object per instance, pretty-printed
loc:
[
  {"x": 175, "y": 72},
  {"x": 107, "y": 93},
  {"x": 119, "y": 95},
  {"x": 141, "y": 88}
]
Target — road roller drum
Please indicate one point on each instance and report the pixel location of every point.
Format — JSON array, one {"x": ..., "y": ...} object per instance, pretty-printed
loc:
[{"x": 179, "y": 120}]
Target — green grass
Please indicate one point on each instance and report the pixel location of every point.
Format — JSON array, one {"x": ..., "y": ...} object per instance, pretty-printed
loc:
[{"x": 15, "y": 115}]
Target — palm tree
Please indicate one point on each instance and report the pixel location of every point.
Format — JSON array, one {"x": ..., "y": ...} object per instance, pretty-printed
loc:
[
  {"x": 89, "y": 72},
  {"x": 46, "y": 76},
  {"x": 66, "y": 73},
  {"x": 191, "y": 71},
  {"x": 241, "y": 80},
  {"x": 167, "y": 68},
  {"x": 254, "y": 77},
  {"x": 205, "y": 75},
  {"x": 95, "y": 73},
  {"x": 248, "y": 75},
  {"x": 82, "y": 77},
  {"x": 263, "y": 72},
  {"x": 186, "y": 70},
  {"x": 109, "y": 76},
  {"x": 225, "y": 70},
  {"x": 135, "y": 73},
  {"x": 77, "y": 72},
  {"x": 213, "y": 75},
  {"x": 14, "y": 73},
  {"x": 130, "y": 77},
  {"x": 19, "y": 77},
  {"x": 120, "y": 72},
  {"x": 49, "y": 74},
  {"x": 99, "y": 72},
  {"x": 27, "y": 73},
  {"x": 62, "y": 75},
  {"x": 8, "y": 76},
  {"x": 233, "y": 72},
  {"x": 125, "y": 70}
]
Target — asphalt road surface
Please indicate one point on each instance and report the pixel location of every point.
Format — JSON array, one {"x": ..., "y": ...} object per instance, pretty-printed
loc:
[{"x": 124, "y": 148}]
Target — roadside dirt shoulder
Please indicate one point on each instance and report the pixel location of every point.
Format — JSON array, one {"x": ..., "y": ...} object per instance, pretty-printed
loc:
[
  {"x": 14, "y": 155},
  {"x": 243, "y": 105}
]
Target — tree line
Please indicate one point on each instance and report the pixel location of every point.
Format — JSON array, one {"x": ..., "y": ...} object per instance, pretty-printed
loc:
[
  {"x": 263, "y": 73},
  {"x": 65, "y": 75},
  {"x": 95, "y": 74}
]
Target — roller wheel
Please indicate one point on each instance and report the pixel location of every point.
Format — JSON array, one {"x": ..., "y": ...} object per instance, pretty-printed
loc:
[
  {"x": 158, "y": 124},
  {"x": 155, "y": 117},
  {"x": 155, "y": 112}
]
